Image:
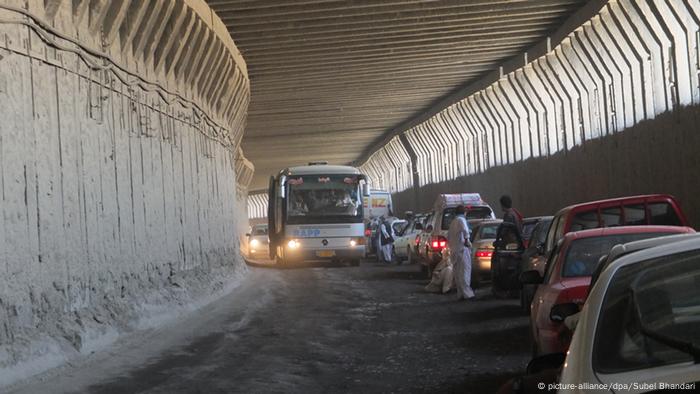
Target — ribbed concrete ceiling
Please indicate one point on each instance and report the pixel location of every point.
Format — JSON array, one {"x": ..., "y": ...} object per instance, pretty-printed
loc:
[{"x": 329, "y": 78}]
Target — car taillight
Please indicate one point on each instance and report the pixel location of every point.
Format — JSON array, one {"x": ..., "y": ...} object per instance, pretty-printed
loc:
[
  {"x": 439, "y": 242},
  {"x": 484, "y": 253},
  {"x": 417, "y": 240},
  {"x": 368, "y": 233}
]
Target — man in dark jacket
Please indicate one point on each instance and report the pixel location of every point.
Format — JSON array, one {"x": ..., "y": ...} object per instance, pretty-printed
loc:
[{"x": 511, "y": 214}]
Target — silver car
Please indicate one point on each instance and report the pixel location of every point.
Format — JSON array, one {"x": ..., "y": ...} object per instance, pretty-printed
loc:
[
  {"x": 482, "y": 237},
  {"x": 258, "y": 242}
]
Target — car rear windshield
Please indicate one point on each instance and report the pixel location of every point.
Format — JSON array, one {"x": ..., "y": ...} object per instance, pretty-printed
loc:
[
  {"x": 488, "y": 231},
  {"x": 481, "y": 212},
  {"x": 583, "y": 254},
  {"x": 645, "y": 305},
  {"x": 260, "y": 231}
]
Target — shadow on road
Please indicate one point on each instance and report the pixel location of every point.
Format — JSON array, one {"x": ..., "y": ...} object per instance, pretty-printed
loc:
[{"x": 269, "y": 264}]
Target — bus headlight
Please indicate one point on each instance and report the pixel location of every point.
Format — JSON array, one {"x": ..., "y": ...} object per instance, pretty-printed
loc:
[
  {"x": 293, "y": 244},
  {"x": 254, "y": 243}
]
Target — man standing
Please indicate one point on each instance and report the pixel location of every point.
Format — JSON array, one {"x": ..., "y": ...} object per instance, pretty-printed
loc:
[
  {"x": 387, "y": 239},
  {"x": 460, "y": 255},
  {"x": 511, "y": 214}
]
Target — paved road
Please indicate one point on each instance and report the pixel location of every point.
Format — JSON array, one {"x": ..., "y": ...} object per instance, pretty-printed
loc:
[{"x": 320, "y": 329}]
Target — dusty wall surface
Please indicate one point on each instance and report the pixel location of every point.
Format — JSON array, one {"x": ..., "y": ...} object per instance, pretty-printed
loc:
[
  {"x": 115, "y": 178},
  {"x": 661, "y": 155}
]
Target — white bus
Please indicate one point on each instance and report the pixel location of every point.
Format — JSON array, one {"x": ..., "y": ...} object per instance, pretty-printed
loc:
[{"x": 315, "y": 213}]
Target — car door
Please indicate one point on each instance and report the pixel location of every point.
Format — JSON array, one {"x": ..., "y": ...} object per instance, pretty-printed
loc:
[{"x": 506, "y": 258}]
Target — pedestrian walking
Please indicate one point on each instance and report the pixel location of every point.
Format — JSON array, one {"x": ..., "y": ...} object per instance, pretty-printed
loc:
[{"x": 460, "y": 255}]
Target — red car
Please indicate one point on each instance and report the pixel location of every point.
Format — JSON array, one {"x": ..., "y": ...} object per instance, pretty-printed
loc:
[
  {"x": 568, "y": 276},
  {"x": 650, "y": 209}
]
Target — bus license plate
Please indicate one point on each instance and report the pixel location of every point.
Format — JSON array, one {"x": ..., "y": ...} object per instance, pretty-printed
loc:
[{"x": 325, "y": 253}]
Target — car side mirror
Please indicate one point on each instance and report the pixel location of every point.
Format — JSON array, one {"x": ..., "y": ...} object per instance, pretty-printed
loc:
[
  {"x": 545, "y": 362},
  {"x": 531, "y": 277},
  {"x": 247, "y": 234},
  {"x": 429, "y": 228},
  {"x": 559, "y": 312}
]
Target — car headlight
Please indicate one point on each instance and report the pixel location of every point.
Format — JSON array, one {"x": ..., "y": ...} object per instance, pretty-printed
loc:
[
  {"x": 353, "y": 242},
  {"x": 254, "y": 243},
  {"x": 293, "y": 244}
]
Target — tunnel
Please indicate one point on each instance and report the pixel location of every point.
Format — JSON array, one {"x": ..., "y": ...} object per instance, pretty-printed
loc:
[{"x": 149, "y": 148}]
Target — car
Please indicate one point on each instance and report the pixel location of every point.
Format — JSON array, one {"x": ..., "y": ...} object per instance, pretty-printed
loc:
[
  {"x": 434, "y": 237},
  {"x": 258, "y": 242},
  {"x": 568, "y": 275},
  {"x": 651, "y": 209},
  {"x": 404, "y": 241},
  {"x": 640, "y": 324},
  {"x": 528, "y": 227},
  {"x": 482, "y": 237},
  {"x": 533, "y": 259},
  {"x": 423, "y": 240}
]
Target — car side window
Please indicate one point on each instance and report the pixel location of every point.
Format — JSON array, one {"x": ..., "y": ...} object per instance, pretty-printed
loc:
[
  {"x": 550, "y": 234},
  {"x": 611, "y": 216},
  {"x": 635, "y": 214},
  {"x": 584, "y": 221},
  {"x": 551, "y": 260}
]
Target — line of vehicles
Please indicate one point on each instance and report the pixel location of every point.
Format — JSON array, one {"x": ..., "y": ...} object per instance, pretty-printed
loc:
[
  {"x": 612, "y": 286},
  {"x": 625, "y": 271}
]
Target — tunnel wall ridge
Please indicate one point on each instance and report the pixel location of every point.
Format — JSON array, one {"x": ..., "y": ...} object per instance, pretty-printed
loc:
[
  {"x": 120, "y": 164},
  {"x": 631, "y": 61},
  {"x": 659, "y": 155}
]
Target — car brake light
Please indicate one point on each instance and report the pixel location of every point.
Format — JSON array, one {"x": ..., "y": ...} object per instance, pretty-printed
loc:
[
  {"x": 439, "y": 242},
  {"x": 417, "y": 239},
  {"x": 484, "y": 253},
  {"x": 368, "y": 233}
]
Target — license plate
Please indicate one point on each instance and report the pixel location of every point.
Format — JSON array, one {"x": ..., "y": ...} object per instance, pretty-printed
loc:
[{"x": 325, "y": 253}]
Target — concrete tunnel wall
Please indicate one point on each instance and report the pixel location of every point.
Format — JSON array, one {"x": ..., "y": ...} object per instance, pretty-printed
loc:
[
  {"x": 607, "y": 108},
  {"x": 119, "y": 159}
]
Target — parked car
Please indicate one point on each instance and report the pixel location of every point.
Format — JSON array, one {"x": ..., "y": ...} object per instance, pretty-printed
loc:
[
  {"x": 434, "y": 237},
  {"x": 482, "y": 237},
  {"x": 423, "y": 241},
  {"x": 568, "y": 275},
  {"x": 641, "y": 323},
  {"x": 528, "y": 228},
  {"x": 653, "y": 209},
  {"x": 532, "y": 259},
  {"x": 577, "y": 365},
  {"x": 404, "y": 242},
  {"x": 258, "y": 242}
]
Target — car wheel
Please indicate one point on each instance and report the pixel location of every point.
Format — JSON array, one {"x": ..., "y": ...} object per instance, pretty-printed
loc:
[{"x": 355, "y": 262}]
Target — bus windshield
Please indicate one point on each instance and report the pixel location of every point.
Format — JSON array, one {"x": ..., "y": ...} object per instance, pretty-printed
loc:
[{"x": 324, "y": 199}]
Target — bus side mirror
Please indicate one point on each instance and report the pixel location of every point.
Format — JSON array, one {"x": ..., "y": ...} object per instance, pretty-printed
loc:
[{"x": 365, "y": 189}]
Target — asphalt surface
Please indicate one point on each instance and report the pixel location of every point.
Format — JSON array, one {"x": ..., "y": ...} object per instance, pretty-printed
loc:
[{"x": 316, "y": 329}]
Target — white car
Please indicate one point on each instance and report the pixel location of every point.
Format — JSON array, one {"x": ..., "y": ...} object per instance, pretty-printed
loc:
[
  {"x": 258, "y": 242},
  {"x": 405, "y": 240},
  {"x": 639, "y": 329}
]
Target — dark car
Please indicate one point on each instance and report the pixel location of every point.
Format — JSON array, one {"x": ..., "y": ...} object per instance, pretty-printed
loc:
[{"x": 532, "y": 258}]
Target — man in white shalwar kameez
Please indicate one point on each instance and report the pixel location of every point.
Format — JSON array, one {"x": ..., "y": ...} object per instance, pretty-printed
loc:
[
  {"x": 460, "y": 255},
  {"x": 386, "y": 237}
]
